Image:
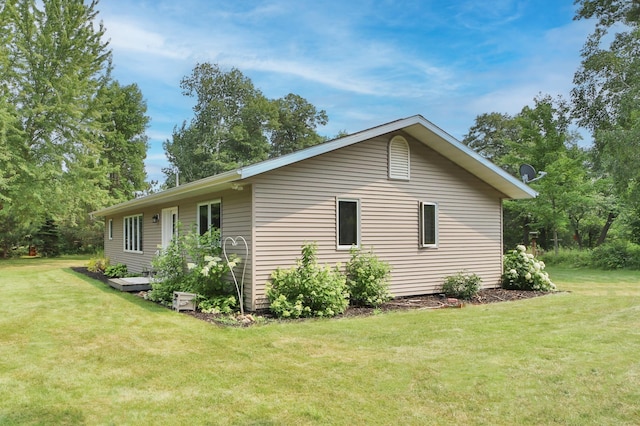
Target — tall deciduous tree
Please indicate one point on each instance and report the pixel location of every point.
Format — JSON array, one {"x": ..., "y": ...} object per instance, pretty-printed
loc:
[
  {"x": 68, "y": 134},
  {"x": 235, "y": 124},
  {"x": 228, "y": 128},
  {"x": 607, "y": 84},
  {"x": 296, "y": 125},
  {"x": 491, "y": 135},
  {"x": 57, "y": 63},
  {"x": 606, "y": 96},
  {"x": 540, "y": 136},
  {"x": 124, "y": 141}
]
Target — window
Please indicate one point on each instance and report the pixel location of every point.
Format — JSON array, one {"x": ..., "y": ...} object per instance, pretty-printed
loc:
[
  {"x": 428, "y": 225},
  {"x": 133, "y": 233},
  {"x": 399, "y": 158},
  {"x": 209, "y": 215},
  {"x": 111, "y": 229},
  {"x": 348, "y": 223}
]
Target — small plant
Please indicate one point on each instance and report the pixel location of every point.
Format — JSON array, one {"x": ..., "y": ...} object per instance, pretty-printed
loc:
[
  {"x": 367, "y": 279},
  {"x": 462, "y": 285},
  {"x": 116, "y": 271},
  {"x": 308, "y": 289},
  {"x": 523, "y": 272},
  {"x": 218, "y": 304},
  {"x": 98, "y": 264}
]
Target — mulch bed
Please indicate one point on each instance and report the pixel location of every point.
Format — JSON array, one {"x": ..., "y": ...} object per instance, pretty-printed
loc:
[{"x": 431, "y": 301}]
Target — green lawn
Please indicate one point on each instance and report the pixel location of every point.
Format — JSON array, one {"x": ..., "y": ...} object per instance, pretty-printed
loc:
[{"x": 73, "y": 351}]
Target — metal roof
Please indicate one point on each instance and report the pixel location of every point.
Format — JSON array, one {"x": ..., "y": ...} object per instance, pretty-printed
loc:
[{"x": 417, "y": 126}]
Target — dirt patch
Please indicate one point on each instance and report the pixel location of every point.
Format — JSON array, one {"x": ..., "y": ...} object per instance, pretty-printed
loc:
[{"x": 430, "y": 301}]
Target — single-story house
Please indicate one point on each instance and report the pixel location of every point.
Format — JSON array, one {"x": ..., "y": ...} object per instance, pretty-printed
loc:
[{"x": 423, "y": 201}]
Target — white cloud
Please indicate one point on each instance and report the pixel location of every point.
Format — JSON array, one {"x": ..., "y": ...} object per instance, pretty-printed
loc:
[
  {"x": 364, "y": 62},
  {"x": 128, "y": 36}
]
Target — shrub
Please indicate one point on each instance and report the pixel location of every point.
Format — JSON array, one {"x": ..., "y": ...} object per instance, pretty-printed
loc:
[
  {"x": 367, "y": 279},
  {"x": 308, "y": 289},
  {"x": 616, "y": 255},
  {"x": 568, "y": 257},
  {"x": 461, "y": 285},
  {"x": 192, "y": 263},
  {"x": 169, "y": 267},
  {"x": 523, "y": 272},
  {"x": 208, "y": 269},
  {"x": 97, "y": 264},
  {"x": 116, "y": 271}
]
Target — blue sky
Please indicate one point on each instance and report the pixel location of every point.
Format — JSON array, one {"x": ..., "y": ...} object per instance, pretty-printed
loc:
[{"x": 365, "y": 62}]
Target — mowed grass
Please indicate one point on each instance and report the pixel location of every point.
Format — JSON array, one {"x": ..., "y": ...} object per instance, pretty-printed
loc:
[{"x": 73, "y": 351}]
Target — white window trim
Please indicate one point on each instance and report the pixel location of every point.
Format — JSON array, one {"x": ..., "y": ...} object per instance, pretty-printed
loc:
[
  {"x": 110, "y": 230},
  {"x": 398, "y": 140},
  {"x": 208, "y": 203},
  {"x": 138, "y": 235},
  {"x": 436, "y": 224},
  {"x": 358, "y": 220},
  {"x": 168, "y": 229}
]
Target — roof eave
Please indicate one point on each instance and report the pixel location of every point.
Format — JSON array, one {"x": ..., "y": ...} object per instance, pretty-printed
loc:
[
  {"x": 416, "y": 126},
  {"x": 175, "y": 193},
  {"x": 465, "y": 157}
]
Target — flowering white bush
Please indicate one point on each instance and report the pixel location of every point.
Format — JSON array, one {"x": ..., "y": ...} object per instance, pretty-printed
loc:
[{"x": 522, "y": 271}]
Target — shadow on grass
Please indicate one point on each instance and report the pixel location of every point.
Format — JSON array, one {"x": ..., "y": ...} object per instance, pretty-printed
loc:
[
  {"x": 106, "y": 288},
  {"x": 43, "y": 415}
]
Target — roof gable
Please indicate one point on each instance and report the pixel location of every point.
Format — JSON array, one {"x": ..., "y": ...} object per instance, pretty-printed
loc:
[{"x": 416, "y": 126}]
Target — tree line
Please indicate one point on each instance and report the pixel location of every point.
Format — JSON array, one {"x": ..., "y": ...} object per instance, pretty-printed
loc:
[
  {"x": 587, "y": 192},
  {"x": 72, "y": 138}
]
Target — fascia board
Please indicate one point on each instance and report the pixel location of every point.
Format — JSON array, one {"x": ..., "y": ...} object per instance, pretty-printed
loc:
[{"x": 172, "y": 194}]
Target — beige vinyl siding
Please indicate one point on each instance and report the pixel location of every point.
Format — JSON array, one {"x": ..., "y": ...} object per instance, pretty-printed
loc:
[
  {"x": 236, "y": 221},
  {"x": 151, "y": 233},
  {"x": 297, "y": 204}
]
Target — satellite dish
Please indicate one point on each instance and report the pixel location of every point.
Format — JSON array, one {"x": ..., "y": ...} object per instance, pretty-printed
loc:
[{"x": 528, "y": 173}]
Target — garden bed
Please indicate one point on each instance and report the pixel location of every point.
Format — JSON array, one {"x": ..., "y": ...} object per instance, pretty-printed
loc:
[{"x": 430, "y": 301}]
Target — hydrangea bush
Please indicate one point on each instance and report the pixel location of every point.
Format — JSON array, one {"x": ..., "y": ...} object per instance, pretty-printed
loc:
[
  {"x": 367, "y": 279},
  {"x": 307, "y": 290},
  {"x": 522, "y": 271},
  {"x": 462, "y": 285},
  {"x": 194, "y": 263}
]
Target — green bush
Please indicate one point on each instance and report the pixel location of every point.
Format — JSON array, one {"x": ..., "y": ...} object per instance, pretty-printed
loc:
[
  {"x": 98, "y": 264},
  {"x": 208, "y": 270},
  {"x": 461, "y": 285},
  {"x": 116, "y": 271},
  {"x": 169, "y": 267},
  {"x": 568, "y": 257},
  {"x": 367, "y": 279},
  {"x": 308, "y": 289},
  {"x": 523, "y": 272},
  {"x": 192, "y": 263},
  {"x": 616, "y": 255},
  {"x": 218, "y": 304}
]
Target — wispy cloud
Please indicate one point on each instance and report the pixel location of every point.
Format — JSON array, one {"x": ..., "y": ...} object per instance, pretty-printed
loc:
[
  {"x": 129, "y": 36},
  {"x": 364, "y": 61}
]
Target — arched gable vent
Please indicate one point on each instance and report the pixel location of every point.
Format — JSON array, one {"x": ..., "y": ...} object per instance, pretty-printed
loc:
[{"x": 399, "y": 166}]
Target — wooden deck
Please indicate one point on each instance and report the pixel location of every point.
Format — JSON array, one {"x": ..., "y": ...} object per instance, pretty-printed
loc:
[{"x": 131, "y": 284}]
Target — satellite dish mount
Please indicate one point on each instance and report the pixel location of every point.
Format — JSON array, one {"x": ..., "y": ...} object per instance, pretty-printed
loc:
[{"x": 528, "y": 174}]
